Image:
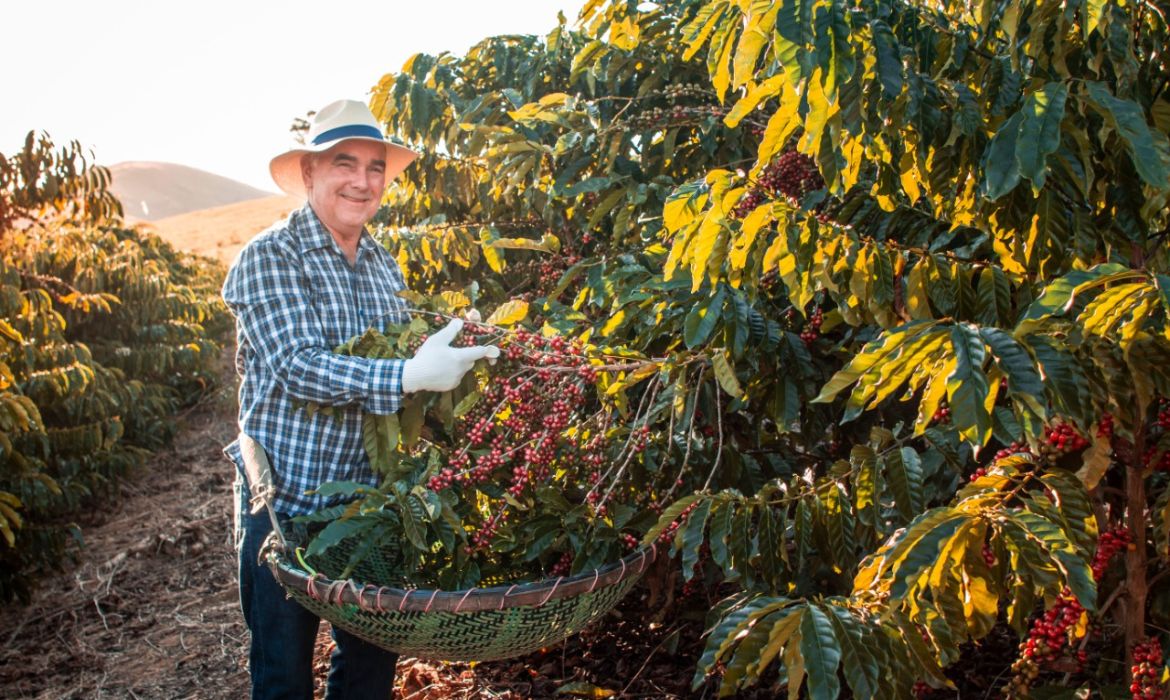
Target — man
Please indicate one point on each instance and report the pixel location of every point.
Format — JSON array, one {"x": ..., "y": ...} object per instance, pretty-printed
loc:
[{"x": 298, "y": 290}]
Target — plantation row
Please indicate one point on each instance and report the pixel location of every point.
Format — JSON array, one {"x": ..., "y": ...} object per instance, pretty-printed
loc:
[{"x": 105, "y": 332}]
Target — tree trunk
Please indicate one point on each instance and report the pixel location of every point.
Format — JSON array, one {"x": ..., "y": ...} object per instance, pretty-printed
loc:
[{"x": 1135, "y": 558}]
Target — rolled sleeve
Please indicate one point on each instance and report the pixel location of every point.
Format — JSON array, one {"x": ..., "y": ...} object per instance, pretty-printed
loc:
[{"x": 384, "y": 391}]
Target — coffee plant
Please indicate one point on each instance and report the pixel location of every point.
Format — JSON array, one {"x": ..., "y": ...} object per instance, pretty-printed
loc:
[
  {"x": 902, "y": 271},
  {"x": 105, "y": 333},
  {"x": 526, "y": 470}
]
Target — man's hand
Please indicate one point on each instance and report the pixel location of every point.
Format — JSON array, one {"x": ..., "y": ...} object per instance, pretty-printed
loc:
[{"x": 439, "y": 367}]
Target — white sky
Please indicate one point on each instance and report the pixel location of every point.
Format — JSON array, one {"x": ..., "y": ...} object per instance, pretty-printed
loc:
[{"x": 215, "y": 84}]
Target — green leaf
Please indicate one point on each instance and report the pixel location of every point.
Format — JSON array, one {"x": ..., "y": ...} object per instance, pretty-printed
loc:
[
  {"x": 772, "y": 543},
  {"x": 696, "y": 33},
  {"x": 1149, "y": 150},
  {"x": 1064, "y": 378},
  {"x": 1001, "y": 172},
  {"x": 1060, "y": 295},
  {"x": 861, "y": 667},
  {"x": 889, "y": 58},
  {"x": 728, "y": 630},
  {"x": 873, "y": 354},
  {"x": 839, "y": 526},
  {"x": 1016, "y": 363},
  {"x": 466, "y": 404},
  {"x": 411, "y": 526},
  {"x": 344, "y": 489},
  {"x": 1076, "y": 570},
  {"x": 1039, "y": 135},
  {"x": 919, "y": 549},
  {"x": 670, "y": 515},
  {"x": 338, "y": 531},
  {"x": 866, "y": 485},
  {"x": 720, "y": 519},
  {"x": 411, "y": 419},
  {"x": 822, "y": 655},
  {"x": 903, "y": 473},
  {"x": 993, "y": 305},
  {"x": 967, "y": 386},
  {"x": 793, "y": 27},
  {"x": 701, "y": 320},
  {"x": 692, "y": 538}
]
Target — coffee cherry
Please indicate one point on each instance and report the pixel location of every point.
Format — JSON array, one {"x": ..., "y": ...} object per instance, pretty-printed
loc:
[
  {"x": 1147, "y": 670},
  {"x": 942, "y": 414},
  {"x": 1105, "y": 426}
]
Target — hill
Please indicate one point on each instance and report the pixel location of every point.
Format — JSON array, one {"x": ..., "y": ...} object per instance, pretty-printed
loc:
[
  {"x": 220, "y": 232},
  {"x": 152, "y": 191}
]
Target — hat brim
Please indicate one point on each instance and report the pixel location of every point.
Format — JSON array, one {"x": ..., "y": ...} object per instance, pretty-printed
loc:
[{"x": 286, "y": 167}]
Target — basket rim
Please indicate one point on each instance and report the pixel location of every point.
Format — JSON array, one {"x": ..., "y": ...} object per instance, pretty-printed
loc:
[{"x": 374, "y": 598}]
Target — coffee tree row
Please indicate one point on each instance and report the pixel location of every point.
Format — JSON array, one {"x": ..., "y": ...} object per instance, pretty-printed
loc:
[
  {"x": 906, "y": 392},
  {"x": 106, "y": 332}
]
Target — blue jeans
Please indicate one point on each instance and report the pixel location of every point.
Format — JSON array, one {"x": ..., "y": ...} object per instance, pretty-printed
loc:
[{"x": 283, "y": 634}]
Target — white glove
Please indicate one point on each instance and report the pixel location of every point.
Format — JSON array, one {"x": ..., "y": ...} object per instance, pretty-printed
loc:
[{"x": 439, "y": 367}]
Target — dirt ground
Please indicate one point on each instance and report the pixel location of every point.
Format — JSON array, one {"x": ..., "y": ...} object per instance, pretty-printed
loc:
[{"x": 150, "y": 610}]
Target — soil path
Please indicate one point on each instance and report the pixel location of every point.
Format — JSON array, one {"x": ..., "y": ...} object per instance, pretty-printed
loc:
[{"x": 150, "y": 608}]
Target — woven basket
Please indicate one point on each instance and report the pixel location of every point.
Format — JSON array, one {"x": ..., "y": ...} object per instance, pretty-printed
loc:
[{"x": 478, "y": 624}]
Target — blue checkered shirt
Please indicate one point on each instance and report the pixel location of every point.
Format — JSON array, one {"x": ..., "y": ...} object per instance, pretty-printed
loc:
[{"x": 295, "y": 298}]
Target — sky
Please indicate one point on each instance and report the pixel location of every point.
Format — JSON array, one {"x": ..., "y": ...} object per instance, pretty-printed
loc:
[{"x": 215, "y": 84}]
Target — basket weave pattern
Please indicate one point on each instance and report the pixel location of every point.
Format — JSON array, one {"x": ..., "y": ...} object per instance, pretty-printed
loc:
[{"x": 478, "y": 624}]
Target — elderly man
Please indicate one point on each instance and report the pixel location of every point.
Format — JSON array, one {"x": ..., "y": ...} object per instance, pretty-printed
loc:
[{"x": 298, "y": 290}]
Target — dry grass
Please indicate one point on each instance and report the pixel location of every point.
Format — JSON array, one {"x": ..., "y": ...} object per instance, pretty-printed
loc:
[{"x": 220, "y": 232}]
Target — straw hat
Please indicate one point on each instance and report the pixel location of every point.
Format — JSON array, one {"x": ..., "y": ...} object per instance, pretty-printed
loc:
[{"x": 336, "y": 122}]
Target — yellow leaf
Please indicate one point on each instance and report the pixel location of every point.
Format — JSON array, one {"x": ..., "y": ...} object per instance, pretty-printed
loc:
[
  {"x": 10, "y": 514},
  {"x": 718, "y": 65},
  {"x": 820, "y": 112},
  {"x": 1095, "y": 462},
  {"x": 696, "y": 33},
  {"x": 935, "y": 391},
  {"x": 508, "y": 313},
  {"x": 492, "y": 256},
  {"x": 756, "y": 35},
  {"x": 681, "y": 211},
  {"x": 854, "y": 151},
  {"x": 749, "y": 229},
  {"x": 455, "y": 300},
  {"x": 553, "y": 99},
  {"x": 755, "y": 95},
  {"x": 794, "y": 662},
  {"x": 614, "y": 321},
  {"x": 909, "y": 176},
  {"x": 917, "y": 300},
  {"x": 625, "y": 34},
  {"x": 725, "y": 374},
  {"x": 704, "y": 244},
  {"x": 980, "y": 604},
  {"x": 629, "y": 380},
  {"x": 7, "y": 331},
  {"x": 781, "y": 125},
  {"x": 1106, "y": 311}
]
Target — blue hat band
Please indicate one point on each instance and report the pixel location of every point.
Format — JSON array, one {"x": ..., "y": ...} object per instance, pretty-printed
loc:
[{"x": 348, "y": 132}]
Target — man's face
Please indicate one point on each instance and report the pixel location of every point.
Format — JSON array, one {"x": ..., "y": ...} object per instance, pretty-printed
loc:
[{"x": 345, "y": 184}]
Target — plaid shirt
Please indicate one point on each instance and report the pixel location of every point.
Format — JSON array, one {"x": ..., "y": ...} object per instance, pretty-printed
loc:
[{"x": 295, "y": 298}]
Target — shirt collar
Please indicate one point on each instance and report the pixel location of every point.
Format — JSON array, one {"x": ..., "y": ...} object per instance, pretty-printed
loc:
[{"x": 314, "y": 235}]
